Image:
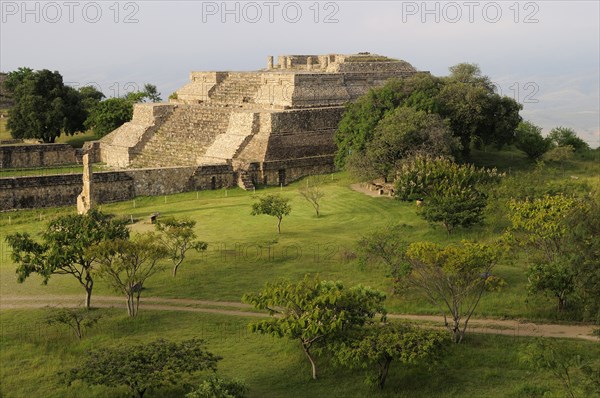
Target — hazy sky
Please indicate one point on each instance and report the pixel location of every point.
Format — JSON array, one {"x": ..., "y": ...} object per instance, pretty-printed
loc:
[{"x": 545, "y": 54}]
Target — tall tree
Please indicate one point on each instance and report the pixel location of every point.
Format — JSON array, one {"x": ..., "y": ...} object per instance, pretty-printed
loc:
[
  {"x": 143, "y": 366},
  {"x": 314, "y": 312},
  {"x": 43, "y": 106},
  {"x": 65, "y": 248},
  {"x": 401, "y": 132},
  {"x": 453, "y": 278},
  {"x": 126, "y": 264}
]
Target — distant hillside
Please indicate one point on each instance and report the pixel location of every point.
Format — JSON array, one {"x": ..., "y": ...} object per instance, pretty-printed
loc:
[{"x": 5, "y": 98}]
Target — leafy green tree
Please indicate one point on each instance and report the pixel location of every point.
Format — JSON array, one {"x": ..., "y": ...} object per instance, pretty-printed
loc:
[
  {"x": 109, "y": 115},
  {"x": 379, "y": 345},
  {"x": 565, "y": 136},
  {"x": 454, "y": 194},
  {"x": 216, "y": 387},
  {"x": 126, "y": 264},
  {"x": 90, "y": 97},
  {"x": 65, "y": 248},
  {"x": 466, "y": 99},
  {"x": 555, "y": 229},
  {"x": 272, "y": 205},
  {"x": 178, "y": 237},
  {"x": 556, "y": 278},
  {"x": 453, "y": 278},
  {"x": 386, "y": 245},
  {"x": 583, "y": 248},
  {"x": 314, "y": 312},
  {"x": 474, "y": 110},
  {"x": 43, "y": 106},
  {"x": 77, "y": 319},
  {"x": 401, "y": 132},
  {"x": 151, "y": 93},
  {"x": 145, "y": 366},
  {"x": 529, "y": 139},
  {"x": 575, "y": 373},
  {"x": 313, "y": 192}
]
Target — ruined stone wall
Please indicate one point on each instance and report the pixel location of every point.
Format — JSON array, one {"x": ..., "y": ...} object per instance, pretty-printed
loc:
[
  {"x": 62, "y": 190},
  {"x": 42, "y": 155},
  {"x": 291, "y": 170},
  {"x": 303, "y": 133}
]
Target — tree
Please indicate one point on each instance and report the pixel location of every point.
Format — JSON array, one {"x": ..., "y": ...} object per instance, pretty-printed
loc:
[
  {"x": 313, "y": 192},
  {"x": 541, "y": 224},
  {"x": 43, "y": 106},
  {"x": 453, "y": 278},
  {"x": 178, "y": 237},
  {"x": 126, "y": 264},
  {"x": 401, "y": 132},
  {"x": 144, "y": 366},
  {"x": 529, "y": 139},
  {"x": 474, "y": 110},
  {"x": 314, "y": 312},
  {"x": 216, "y": 387},
  {"x": 108, "y": 115},
  {"x": 272, "y": 205},
  {"x": 90, "y": 97},
  {"x": 387, "y": 245},
  {"x": 575, "y": 373},
  {"x": 565, "y": 136},
  {"x": 151, "y": 93},
  {"x": 378, "y": 345},
  {"x": 77, "y": 319},
  {"x": 65, "y": 248},
  {"x": 454, "y": 194}
]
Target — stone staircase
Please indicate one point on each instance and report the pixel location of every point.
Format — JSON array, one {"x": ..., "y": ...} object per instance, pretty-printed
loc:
[
  {"x": 245, "y": 181},
  {"x": 237, "y": 88},
  {"x": 184, "y": 137}
]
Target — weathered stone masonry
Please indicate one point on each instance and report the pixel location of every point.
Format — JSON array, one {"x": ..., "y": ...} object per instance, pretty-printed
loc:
[
  {"x": 271, "y": 126},
  {"x": 42, "y": 155}
]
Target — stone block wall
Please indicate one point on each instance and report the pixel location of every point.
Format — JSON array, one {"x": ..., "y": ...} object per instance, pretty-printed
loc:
[
  {"x": 42, "y": 155},
  {"x": 62, "y": 190}
]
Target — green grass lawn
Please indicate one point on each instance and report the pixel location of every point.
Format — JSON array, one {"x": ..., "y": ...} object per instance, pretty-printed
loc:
[
  {"x": 244, "y": 253},
  {"x": 32, "y": 354}
]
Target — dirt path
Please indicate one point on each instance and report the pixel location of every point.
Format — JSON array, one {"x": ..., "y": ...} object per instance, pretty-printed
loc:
[
  {"x": 363, "y": 189},
  {"x": 492, "y": 326}
]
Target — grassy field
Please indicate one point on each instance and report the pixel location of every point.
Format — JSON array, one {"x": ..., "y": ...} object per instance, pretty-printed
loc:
[
  {"x": 244, "y": 253},
  {"x": 33, "y": 354}
]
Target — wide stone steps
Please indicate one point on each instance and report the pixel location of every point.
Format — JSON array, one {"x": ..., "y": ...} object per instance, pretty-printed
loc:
[
  {"x": 184, "y": 137},
  {"x": 237, "y": 89}
]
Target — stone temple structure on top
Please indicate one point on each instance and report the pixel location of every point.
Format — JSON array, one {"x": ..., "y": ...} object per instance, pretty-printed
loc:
[{"x": 270, "y": 126}]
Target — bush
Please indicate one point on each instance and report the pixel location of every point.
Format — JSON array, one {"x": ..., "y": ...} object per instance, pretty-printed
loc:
[{"x": 216, "y": 387}]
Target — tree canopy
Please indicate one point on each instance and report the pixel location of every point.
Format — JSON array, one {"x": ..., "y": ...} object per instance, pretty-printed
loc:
[
  {"x": 144, "y": 366},
  {"x": 44, "y": 107},
  {"x": 272, "y": 205},
  {"x": 65, "y": 247},
  {"x": 314, "y": 312},
  {"x": 465, "y": 100}
]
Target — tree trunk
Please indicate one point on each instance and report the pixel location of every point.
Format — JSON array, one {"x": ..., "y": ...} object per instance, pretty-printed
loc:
[
  {"x": 312, "y": 362},
  {"x": 279, "y": 225},
  {"x": 89, "y": 285},
  {"x": 130, "y": 307},
  {"x": 176, "y": 266},
  {"x": 383, "y": 372}
]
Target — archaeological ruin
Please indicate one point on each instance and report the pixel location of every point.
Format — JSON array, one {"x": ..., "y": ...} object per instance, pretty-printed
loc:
[
  {"x": 222, "y": 129},
  {"x": 270, "y": 126}
]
